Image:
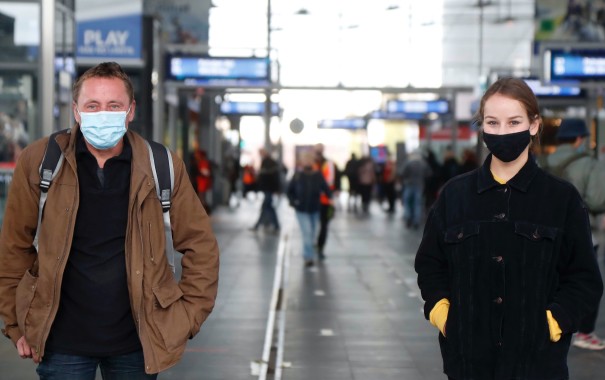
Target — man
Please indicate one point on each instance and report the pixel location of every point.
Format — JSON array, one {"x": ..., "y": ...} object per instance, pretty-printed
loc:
[
  {"x": 415, "y": 173},
  {"x": 351, "y": 169},
  {"x": 99, "y": 290},
  {"x": 571, "y": 162},
  {"x": 326, "y": 208},
  {"x": 268, "y": 182}
]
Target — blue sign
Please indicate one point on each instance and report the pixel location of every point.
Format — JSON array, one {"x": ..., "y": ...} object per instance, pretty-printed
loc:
[
  {"x": 397, "y": 115},
  {"x": 357, "y": 123},
  {"x": 418, "y": 106},
  {"x": 583, "y": 65},
  {"x": 247, "y": 108},
  {"x": 214, "y": 70},
  {"x": 553, "y": 89},
  {"x": 117, "y": 38}
]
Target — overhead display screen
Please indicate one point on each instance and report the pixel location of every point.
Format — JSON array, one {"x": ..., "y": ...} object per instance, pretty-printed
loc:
[
  {"x": 358, "y": 123},
  {"x": 214, "y": 70},
  {"x": 583, "y": 65},
  {"x": 417, "y": 106},
  {"x": 247, "y": 108},
  {"x": 554, "y": 89}
]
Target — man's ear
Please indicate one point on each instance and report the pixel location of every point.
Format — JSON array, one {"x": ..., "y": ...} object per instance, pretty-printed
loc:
[
  {"x": 74, "y": 107},
  {"x": 133, "y": 107}
]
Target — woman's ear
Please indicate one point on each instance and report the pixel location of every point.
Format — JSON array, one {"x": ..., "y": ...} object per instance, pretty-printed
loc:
[{"x": 534, "y": 127}]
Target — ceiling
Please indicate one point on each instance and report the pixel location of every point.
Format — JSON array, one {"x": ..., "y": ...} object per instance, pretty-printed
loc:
[{"x": 422, "y": 43}]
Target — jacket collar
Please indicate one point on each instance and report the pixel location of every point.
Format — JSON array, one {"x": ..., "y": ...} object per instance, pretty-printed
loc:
[{"x": 521, "y": 181}]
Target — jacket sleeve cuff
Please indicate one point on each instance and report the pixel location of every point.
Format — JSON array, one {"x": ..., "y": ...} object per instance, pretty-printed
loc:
[
  {"x": 12, "y": 332},
  {"x": 430, "y": 303},
  {"x": 562, "y": 317}
]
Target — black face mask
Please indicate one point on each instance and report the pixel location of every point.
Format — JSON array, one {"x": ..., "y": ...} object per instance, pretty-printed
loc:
[{"x": 507, "y": 147}]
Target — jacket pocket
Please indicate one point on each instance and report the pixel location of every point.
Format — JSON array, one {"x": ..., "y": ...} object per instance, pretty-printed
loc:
[
  {"x": 461, "y": 232},
  {"x": 169, "y": 315},
  {"x": 26, "y": 290},
  {"x": 535, "y": 232}
]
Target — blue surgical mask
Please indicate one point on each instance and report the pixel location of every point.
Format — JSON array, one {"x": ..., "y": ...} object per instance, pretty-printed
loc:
[{"x": 103, "y": 129}]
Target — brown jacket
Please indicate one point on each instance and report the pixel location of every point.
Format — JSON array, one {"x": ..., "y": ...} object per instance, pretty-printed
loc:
[{"x": 166, "y": 313}]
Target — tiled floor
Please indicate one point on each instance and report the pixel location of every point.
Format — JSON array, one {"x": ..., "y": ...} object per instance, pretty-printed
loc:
[{"x": 356, "y": 316}]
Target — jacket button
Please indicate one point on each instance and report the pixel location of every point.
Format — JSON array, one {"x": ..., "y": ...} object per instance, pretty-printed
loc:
[
  {"x": 535, "y": 235},
  {"x": 500, "y": 216},
  {"x": 460, "y": 235},
  {"x": 498, "y": 259},
  {"x": 498, "y": 300}
]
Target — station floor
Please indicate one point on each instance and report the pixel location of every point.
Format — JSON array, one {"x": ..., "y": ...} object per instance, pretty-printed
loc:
[{"x": 355, "y": 316}]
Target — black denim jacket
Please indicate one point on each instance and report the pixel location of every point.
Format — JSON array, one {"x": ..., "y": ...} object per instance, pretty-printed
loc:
[{"x": 503, "y": 255}]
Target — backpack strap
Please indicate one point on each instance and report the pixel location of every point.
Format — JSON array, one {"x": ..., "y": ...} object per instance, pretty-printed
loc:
[
  {"x": 163, "y": 176},
  {"x": 49, "y": 168}
]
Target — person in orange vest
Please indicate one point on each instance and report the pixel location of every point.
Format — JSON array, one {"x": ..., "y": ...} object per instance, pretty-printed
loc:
[
  {"x": 248, "y": 179},
  {"x": 202, "y": 175},
  {"x": 326, "y": 209}
]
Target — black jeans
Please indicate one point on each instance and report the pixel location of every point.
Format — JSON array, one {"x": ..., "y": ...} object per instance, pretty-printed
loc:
[{"x": 324, "y": 220}]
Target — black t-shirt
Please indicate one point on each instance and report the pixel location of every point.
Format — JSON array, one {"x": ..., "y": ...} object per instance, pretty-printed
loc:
[{"x": 94, "y": 316}]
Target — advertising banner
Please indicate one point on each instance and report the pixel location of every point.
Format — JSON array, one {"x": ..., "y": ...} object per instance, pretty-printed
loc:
[{"x": 109, "y": 30}]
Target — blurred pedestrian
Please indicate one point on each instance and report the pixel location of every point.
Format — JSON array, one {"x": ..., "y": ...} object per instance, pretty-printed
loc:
[
  {"x": 304, "y": 193},
  {"x": 432, "y": 183},
  {"x": 388, "y": 182},
  {"x": 326, "y": 209},
  {"x": 269, "y": 180},
  {"x": 416, "y": 172},
  {"x": 450, "y": 167},
  {"x": 572, "y": 162},
  {"x": 351, "y": 171},
  {"x": 248, "y": 180},
  {"x": 505, "y": 266},
  {"x": 201, "y": 173},
  {"x": 366, "y": 174},
  {"x": 469, "y": 161}
]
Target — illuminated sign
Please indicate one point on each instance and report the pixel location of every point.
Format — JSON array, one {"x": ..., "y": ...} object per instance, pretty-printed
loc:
[
  {"x": 574, "y": 64},
  {"x": 247, "y": 108},
  {"x": 417, "y": 107},
  {"x": 357, "y": 123},
  {"x": 553, "y": 89},
  {"x": 218, "y": 71}
]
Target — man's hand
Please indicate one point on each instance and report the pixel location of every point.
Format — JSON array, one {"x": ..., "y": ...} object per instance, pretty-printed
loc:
[{"x": 25, "y": 350}]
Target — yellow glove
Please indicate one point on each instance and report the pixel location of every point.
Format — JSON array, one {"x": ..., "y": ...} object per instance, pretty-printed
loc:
[
  {"x": 438, "y": 316},
  {"x": 553, "y": 327}
]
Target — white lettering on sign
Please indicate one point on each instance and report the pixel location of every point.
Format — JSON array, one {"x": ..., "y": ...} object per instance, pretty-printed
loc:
[{"x": 114, "y": 38}]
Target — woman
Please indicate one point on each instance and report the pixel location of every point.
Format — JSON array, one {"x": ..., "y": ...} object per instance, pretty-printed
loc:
[
  {"x": 505, "y": 265},
  {"x": 304, "y": 192}
]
